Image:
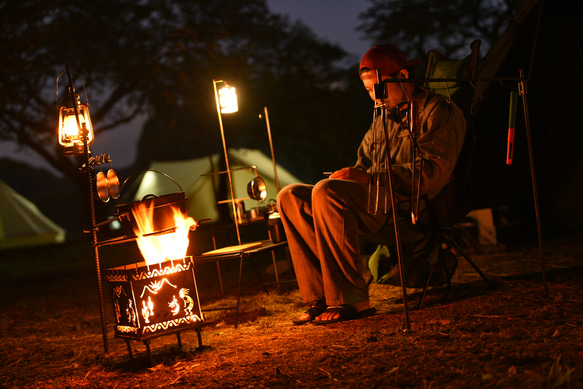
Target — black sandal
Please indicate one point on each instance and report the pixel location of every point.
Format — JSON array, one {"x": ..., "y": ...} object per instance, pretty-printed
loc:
[
  {"x": 345, "y": 312},
  {"x": 314, "y": 311}
]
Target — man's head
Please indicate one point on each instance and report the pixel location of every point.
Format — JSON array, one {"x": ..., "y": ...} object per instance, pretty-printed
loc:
[
  {"x": 392, "y": 64},
  {"x": 386, "y": 58}
]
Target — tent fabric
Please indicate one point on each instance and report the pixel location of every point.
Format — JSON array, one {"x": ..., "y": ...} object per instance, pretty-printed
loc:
[
  {"x": 545, "y": 40},
  {"x": 497, "y": 54},
  {"x": 196, "y": 179},
  {"x": 22, "y": 224}
]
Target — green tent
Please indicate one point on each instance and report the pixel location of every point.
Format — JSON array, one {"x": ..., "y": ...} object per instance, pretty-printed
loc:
[
  {"x": 22, "y": 224},
  {"x": 195, "y": 178}
]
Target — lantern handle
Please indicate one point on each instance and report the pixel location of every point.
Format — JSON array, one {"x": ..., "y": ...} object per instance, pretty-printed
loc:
[{"x": 82, "y": 82}]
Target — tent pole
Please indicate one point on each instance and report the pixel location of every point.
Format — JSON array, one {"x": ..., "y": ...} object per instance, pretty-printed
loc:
[
  {"x": 522, "y": 91},
  {"x": 271, "y": 147}
]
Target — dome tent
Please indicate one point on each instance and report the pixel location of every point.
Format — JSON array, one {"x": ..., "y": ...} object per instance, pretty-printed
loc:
[{"x": 22, "y": 224}]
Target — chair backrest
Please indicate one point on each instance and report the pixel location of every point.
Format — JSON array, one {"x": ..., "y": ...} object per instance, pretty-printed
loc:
[{"x": 462, "y": 93}]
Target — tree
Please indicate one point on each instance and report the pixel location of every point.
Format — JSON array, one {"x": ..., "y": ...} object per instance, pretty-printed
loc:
[
  {"x": 39, "y": 38},
  {"x": 417, "y": 26},
  {"x": 272, "y": 63},
  {"x": 153, "y": 57}
]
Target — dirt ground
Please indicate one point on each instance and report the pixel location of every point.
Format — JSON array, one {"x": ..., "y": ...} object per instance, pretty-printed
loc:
[{"x": 511, "y": 336}]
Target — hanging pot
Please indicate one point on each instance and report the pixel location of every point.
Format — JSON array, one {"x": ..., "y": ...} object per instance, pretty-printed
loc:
[{"x": 162, "y": 208}]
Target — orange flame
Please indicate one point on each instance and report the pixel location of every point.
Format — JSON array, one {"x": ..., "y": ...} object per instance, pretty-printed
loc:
[{"x": 162, "y": 247}]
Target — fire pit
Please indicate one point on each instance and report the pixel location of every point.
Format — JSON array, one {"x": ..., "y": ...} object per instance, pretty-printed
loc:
[
  {"x": 158, "y": 296},
  {"x": 151, "y": 301}
]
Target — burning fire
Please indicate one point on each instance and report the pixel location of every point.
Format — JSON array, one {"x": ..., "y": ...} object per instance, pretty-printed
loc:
[{"x": 162, "y": 247}]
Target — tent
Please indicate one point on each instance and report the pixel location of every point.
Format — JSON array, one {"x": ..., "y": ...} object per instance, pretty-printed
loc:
[
  {"x": 544, "y": 39},
  {"x": 22, "y": 224},
  {"x": 195, "y": 177}
]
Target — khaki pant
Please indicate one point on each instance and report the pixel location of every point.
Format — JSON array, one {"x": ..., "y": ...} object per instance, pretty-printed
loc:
[{"x": 323, "y": 223}]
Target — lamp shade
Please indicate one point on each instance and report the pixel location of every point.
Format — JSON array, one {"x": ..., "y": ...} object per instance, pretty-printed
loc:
[
  {"x": 228, "y": 99},
  {"x": 70, "y": 132}
]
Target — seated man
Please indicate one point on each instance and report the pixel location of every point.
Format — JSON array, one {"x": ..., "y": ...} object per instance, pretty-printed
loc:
[{"x": 323, "y": 222}]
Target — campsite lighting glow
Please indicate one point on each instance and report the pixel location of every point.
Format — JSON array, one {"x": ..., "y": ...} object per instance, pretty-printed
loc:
[
  {"x": 221, "y": 101},
  {"x": 228, "y": 99},
  {"x": 74, "y": 129},
  {"x": 157, "y": 248},
  {"x": 71, "y": 135}
]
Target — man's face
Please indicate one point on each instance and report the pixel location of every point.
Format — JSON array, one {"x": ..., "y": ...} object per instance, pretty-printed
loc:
[{"x": 394, "y": 90}]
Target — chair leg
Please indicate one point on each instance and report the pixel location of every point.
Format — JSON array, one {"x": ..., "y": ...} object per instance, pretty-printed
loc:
[
  {"x": 425, "y": 289},
  {"x": 258, "y": 275},
  {"x": 239, "y": 288},
  {"x": 273, "y": 259},
  {"x": 452, "y": 243}
]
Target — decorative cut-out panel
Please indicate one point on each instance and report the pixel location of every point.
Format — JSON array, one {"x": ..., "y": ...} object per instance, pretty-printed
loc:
[{"x": 150, "y": 301}]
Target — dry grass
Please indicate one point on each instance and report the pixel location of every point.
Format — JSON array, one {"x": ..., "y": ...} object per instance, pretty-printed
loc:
[{"x": 512, "y": 336}]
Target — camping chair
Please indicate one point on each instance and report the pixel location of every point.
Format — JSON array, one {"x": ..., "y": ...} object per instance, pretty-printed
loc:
[{"x": 435, "y": 245}]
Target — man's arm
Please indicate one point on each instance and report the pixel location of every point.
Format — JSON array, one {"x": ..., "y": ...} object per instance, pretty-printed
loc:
[{"x": 351, "y": 174}]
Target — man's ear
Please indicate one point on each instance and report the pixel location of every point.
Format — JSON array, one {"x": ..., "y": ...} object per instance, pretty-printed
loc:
[{"x": 403, "y": 73}]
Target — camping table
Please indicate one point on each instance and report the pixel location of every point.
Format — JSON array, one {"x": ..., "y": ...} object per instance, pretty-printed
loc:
[{"x": 240, "y": 252}]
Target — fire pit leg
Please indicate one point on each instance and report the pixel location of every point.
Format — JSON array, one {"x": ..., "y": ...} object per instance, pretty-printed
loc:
[
  {"x": 129, "y": 345},
  {"x": 199, "y": 336},
  {"x": 147, "y": 343},
  {"x": 179, "y": 340}
]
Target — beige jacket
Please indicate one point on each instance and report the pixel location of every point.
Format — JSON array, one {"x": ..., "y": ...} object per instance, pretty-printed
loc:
[{"x": 439, "y": 129}]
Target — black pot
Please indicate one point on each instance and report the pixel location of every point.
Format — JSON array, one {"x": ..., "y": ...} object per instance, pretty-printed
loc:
[{"x": 163, "y": 214}]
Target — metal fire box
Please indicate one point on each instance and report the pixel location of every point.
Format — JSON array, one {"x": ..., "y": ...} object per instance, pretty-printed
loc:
[{"x": 154, "y": 300}]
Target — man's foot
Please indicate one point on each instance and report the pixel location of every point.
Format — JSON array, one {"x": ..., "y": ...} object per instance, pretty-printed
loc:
[
  {"x": 345, "y": 312},
  {"x": 315, "y": 309}
]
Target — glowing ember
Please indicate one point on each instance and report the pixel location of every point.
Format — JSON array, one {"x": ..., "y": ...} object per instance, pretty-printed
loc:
[{"x": 161, "y": 247}]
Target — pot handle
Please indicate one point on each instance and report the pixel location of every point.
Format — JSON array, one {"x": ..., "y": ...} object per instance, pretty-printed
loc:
[
  {"x": 149, "y": 196},
  {"x": 149, "y": 170}
]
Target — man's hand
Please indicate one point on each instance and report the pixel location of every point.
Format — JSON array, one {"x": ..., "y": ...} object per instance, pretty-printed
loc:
[{"x": 351, "y": 174}]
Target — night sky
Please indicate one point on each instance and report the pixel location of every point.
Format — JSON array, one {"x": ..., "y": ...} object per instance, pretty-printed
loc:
[{"x": 331, "y": 20}]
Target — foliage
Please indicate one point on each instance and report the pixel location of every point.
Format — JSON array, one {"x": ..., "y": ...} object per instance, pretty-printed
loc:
[
  {"x": 417, "y": 26},
  {"x": 282, "y": 66},
  {"x": 155, "y": 58},
  {"x": 39, "y": 38}
]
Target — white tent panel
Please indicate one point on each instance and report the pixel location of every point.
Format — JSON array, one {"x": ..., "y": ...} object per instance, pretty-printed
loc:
[{"x": 22, "y": 224}]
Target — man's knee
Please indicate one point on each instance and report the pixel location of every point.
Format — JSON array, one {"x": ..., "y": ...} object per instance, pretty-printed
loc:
[
  {"x": 294, "y": 195},
  {"x": 288, "y": 191},
  {"x": 283, "y": 194},
  {"x": 326, "y": 189}
]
